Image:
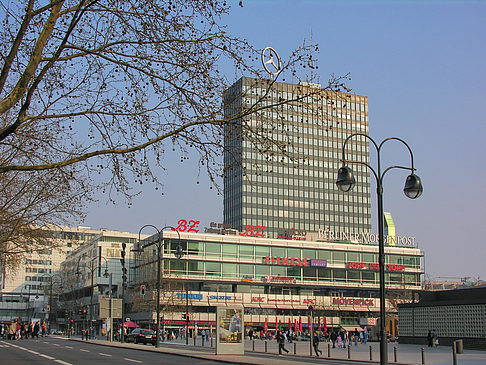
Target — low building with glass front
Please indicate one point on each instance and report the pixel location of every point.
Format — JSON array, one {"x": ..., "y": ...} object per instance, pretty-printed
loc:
[{"x": 275, "y": 280}]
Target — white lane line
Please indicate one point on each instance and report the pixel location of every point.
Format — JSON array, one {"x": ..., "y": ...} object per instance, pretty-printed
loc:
[
  {"x": 63, "y": 362},
  {"x": 39, "y": 354},
  {"x": 68, "y": 347},
  {"x": 102, "y": 354},
  {"x": 56, "y": 344},
  {"x": 84, "y": 350},
  {"x": 47, "y": 357},
  {"x": 132, "y": 360}
]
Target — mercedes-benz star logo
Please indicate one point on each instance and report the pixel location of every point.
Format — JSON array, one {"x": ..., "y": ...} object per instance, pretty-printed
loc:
[{"x": 271, "y": 61}]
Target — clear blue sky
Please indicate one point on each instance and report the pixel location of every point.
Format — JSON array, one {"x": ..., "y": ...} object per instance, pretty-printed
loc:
[{"x": 422, "y": 65}]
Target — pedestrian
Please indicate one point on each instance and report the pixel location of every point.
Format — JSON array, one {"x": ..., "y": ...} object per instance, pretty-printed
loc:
[
  {"x": 315, "y": 343},
  {"x": 333, "y": 338},
  {"x": 36, "y": 330},
  {"x": 429, "y": 339},
  {"x": 435, "y": 337},
  {"x": 356, "y": 336},
  {"x": 250, "y": 334},
  {"x": 365, "y": 335},
  {"x": 281, "y": 343}
]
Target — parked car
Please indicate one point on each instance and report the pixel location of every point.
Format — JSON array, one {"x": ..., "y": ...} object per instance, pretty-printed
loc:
[{"x": 140, "y": 335}]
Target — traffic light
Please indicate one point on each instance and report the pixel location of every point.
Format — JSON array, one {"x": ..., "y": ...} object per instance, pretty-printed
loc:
[
  {"x": 185, "y": 316},
  {"x": 142, "y": 290},
  {"x": 48, "y": 308},
  {"x": 85, "y": 311}
]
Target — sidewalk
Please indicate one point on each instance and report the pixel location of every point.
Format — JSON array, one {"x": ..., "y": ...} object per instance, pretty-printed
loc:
[{"x": 406, "y": 354}]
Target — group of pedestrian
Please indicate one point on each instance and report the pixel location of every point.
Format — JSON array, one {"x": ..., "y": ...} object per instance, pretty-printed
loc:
[
  {"x": 17, "y": 329},
  {"x": 432, "y": 339},
  {"x": 342, "y": 337}
]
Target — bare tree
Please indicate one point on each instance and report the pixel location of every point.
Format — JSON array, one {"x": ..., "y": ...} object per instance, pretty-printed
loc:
[{"x": 96, "y": 92}]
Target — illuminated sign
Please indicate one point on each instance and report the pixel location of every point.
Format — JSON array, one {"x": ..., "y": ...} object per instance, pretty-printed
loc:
[
  {"x": 318, "y": 263},
  {"x": 374, "y": 266},
  {"x": 352, "y": 301},
  {"x": 367, "y": 238},
  {"x": 279, "y": 279},
  {"x": 285, "y": 261}
]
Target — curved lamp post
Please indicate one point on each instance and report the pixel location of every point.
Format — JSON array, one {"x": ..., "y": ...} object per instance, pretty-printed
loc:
[
  {"x": 413, "y": 189},
  {"x": 159, "y": 243},
  {"x": 51, "y": 276}
]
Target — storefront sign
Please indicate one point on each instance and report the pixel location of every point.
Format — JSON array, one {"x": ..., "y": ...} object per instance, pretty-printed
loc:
[
  {"x": 185, "y": 226},
  {"x": 189, "y": 296},
  {"x": 220, "y": 297},
  {"x": 374, "y": 266},
  {"x": 278, "y": 279},
  {"x": 318, "y": 263},
  {"x": 366, "y": 238},
  {"x": 352, "y": 301},
  {"x": 285, "y": 261}
]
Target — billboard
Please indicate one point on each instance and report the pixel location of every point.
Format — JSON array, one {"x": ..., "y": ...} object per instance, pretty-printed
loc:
[{"x": 230, "y": 330}]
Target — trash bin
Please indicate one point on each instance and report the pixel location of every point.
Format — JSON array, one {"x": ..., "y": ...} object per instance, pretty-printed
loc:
[{"x": 459, "y": 346}]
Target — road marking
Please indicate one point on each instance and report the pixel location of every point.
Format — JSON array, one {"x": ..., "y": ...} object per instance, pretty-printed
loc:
[
  {"x": 56, "y": 344},
  {"x": 84, "y": 350},
  {"x": 102, "y": 354},
  {"x": 47, "y": 357},
  {"x": 68, "y": 347},
  {"x": 39, "y": 354},
  {"x": 63, "y": 362},
  {"x": 132, "y": 360}
]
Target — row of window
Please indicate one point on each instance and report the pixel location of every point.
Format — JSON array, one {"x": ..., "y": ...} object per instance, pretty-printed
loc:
[
  {"x": 39, "y": 278},
  {"x": 37, "y": 262},
  {"x": 278, "y": 274},
  {"x": 37, "y": 270},
  {"x": 254, "y": 252}
]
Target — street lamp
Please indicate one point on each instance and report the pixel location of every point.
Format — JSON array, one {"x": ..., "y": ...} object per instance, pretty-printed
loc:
[
  {"x": 50, "y": 301},
  {"x": 159, "y": 244},
  {"x": 106, "y": 274},
  {"x": 413, "y": 189}
]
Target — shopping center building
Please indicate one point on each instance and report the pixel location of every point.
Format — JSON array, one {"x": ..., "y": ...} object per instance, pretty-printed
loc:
[{"x": 275, "y": 280}]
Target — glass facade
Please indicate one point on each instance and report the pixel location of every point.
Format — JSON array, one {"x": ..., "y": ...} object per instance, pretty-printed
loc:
[
  {"x": 284, "y": 179},
  {"x": 338, "y": 265}
]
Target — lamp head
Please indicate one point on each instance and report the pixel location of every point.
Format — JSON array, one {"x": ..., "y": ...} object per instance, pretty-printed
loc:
[
  {"x": 106, "y": 274},
  {"x": 179, "y": 251},
  {"x": 413, "y": 186},
  {"x": 345, "y": 180}
]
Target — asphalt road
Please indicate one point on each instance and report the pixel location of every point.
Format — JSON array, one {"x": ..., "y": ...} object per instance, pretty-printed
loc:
[{"x": 58, "y": 351}]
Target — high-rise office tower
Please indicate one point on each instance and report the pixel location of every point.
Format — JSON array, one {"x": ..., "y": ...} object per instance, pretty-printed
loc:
[{"x": 282, "y": 175}]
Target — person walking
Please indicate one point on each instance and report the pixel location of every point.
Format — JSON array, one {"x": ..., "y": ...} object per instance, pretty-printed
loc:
[
  {"x": 315, "y": 343},
  {"x": 429, "y": 339},
  {"x": 36, "y": 330},
  {"x": 356, "y": 337},
  {"x": 281, "y": 343},
  {"x": 333, "y": 338}
]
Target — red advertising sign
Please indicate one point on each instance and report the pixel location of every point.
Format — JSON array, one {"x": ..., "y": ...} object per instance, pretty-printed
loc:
[
  {"x": 374, "y": 266},
  {"x": 286, "y": 261},
  {"x": 352, "y": 301}
]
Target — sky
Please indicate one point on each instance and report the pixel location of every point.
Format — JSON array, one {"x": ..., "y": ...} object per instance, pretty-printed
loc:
[{"x": 422, "y": 66}]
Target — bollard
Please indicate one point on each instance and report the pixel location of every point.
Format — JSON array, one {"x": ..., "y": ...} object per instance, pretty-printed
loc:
[
  {"x": 371, "y": 353},
  {"x": 423, "y": 356},
  {"x": 195, "y": 340},
  {"x": 395, "y": 353},
  {"x": 349, "y": 352},
  {"x": 328, "y": 350},
  {"x": 202, "y": 341},
  {"x": 265, "y": 346},
  {"x": 211, "y": 337},
  {"x": 454, "y": 353},
  {"x": 253, "y": 345},
  {"x": 295, "y": 348}
]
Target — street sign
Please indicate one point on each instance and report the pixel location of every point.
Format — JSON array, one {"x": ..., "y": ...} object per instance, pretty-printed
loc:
[{"x": 116, "y": 308}]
